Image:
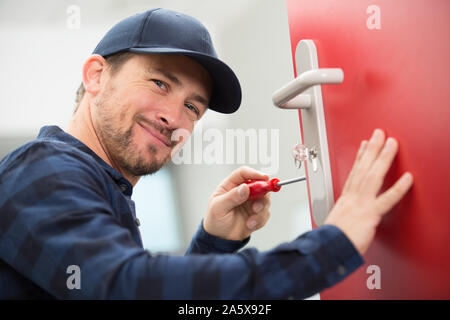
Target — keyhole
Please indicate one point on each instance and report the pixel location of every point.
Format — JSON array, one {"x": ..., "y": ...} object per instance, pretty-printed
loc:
[
  {"x": 313, "y": 158},
  {"x": 301, "y": 153}
]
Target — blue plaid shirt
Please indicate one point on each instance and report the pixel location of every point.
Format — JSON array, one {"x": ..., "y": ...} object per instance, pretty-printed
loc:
[{"x": 62, "y": 205}]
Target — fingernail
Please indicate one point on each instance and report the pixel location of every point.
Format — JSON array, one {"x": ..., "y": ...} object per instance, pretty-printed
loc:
[
  {"x": 252, "y": 224},
  {"x": 241, "y": 191},
  {"x": 263, "y": 174},
  {"x": 363, "y": 145},
  {"x": 407, "y": 178},
  {"x": 376, "y": 134},
  {"x": 389, "y": 143},
  {"x": 257, "y": 206}
]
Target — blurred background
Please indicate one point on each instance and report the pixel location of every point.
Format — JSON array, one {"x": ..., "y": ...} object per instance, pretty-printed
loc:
[{"x": 44, "y": 45}]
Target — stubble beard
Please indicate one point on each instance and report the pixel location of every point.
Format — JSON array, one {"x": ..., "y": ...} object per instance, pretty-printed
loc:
[{"x": 119, "y": 143}]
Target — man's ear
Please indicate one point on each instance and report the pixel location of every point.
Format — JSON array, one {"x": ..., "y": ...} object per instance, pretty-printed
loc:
[{"x": 93, "y": 69}]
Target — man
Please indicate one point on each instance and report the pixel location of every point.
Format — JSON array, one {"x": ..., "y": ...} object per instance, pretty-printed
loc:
[{"x": 65, "y": 203}]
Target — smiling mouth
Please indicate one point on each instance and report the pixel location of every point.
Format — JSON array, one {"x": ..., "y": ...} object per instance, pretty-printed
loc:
[{"x": 156, "y": 136}]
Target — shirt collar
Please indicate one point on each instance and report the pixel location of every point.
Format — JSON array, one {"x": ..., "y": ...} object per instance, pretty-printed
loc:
[{"x": 56, "y": 133}]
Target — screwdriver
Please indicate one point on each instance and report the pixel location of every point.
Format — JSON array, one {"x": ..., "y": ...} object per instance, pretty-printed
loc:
[{"x": 259, "y": 188}]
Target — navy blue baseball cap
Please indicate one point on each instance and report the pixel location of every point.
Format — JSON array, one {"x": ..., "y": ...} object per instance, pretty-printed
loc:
[{"x": 162, "y": 31}]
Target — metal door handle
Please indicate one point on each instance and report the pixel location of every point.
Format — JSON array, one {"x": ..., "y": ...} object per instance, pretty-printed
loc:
[
  {"x": 290, "y": 96},
  {"x": 305, "y": 93}
]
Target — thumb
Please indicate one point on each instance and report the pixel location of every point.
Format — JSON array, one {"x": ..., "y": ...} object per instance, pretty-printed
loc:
[{"x": 233, "y": 198}]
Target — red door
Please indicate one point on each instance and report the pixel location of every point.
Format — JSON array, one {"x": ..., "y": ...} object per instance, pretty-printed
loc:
[{"x": 396, "y": 60}]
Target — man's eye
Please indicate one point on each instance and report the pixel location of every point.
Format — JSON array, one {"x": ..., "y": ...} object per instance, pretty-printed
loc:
[
  {"x": 191, "y": 107},
  {"x": 159, "y": 84}
]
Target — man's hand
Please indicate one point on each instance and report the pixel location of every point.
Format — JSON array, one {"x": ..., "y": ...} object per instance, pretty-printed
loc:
[
  {"x": 229, "y": 215},
  {"x": 359, "y": 209}
]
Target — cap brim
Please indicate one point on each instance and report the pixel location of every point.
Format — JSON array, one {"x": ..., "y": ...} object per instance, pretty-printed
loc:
[{"x": 227, "y": 95}]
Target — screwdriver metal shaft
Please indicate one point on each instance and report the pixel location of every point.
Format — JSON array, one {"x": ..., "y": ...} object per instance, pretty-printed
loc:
[{"x": 282, "y": 183}]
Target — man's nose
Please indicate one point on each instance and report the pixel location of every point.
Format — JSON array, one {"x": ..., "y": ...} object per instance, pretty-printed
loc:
[{"x": 171, "y": 115}]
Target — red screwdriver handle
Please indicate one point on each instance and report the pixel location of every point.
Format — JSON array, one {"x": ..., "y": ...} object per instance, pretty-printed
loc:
[{"x": 259, "y": 188}]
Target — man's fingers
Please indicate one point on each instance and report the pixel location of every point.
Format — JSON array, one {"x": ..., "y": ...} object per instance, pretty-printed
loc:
[
  {"x": 257, "y": 206},
  {"x": 240, "y": 175},
  {"x": 229, "y": 200},
  {"x": 373, "y": 148},
  {"x": 389, "y": 198},
  {"x": 361, "y": 150},
  {"x": 349, "y": 182},
  {"x": 259, "y": 219},
  {"x": 381, "y": 166}
]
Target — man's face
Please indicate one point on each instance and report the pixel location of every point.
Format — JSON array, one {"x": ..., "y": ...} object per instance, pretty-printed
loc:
[{"x": 139, "y": 107}]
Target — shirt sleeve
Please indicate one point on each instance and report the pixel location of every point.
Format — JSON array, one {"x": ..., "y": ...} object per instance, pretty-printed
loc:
[
  {"x": 60, "y": 219},
  {"x": 203, "y": 243}
]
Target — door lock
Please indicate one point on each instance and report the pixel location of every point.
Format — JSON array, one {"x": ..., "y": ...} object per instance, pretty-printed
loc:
[
  {"x": 305, "y": 93},
  {"x": 301, "y": 153}
]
